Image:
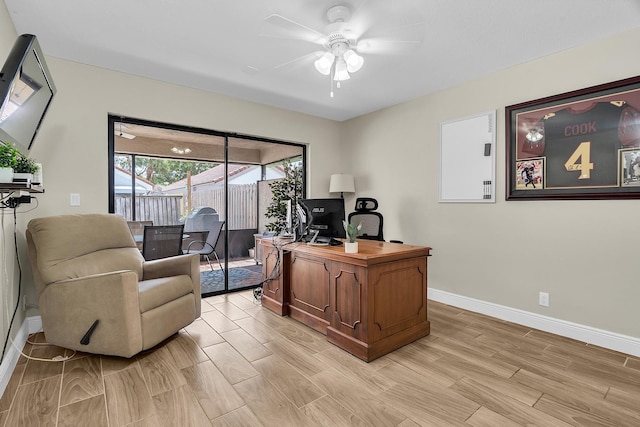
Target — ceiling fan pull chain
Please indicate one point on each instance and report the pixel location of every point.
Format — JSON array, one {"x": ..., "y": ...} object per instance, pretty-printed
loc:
[{"x": 331, "y": 74}]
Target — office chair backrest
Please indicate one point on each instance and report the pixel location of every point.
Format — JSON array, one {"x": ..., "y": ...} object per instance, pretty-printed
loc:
[
  {"x": 366, "y": 204},
  {"x": 162, "y": 241},
  {"x": 372, "y": 222}
]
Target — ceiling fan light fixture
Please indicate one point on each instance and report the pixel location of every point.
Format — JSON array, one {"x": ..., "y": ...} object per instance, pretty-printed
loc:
[
  {"x": 179, "y": 150},
  {"x": 324, "y": 63},
  {"x": 353, "y": 60},
  {"x": 124, "y": 134},
  {"x": 341, "y": 73}
]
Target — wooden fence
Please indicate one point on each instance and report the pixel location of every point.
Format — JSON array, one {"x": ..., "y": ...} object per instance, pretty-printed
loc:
[
  {"x": 170, "y": 209},
  {"x": 162, "y": 210},
  {"x": 243, "y": 204}
]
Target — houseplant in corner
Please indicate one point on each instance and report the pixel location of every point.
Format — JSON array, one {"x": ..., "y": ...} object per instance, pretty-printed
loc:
[
  {"x": 284, "y": 191},
  {"x": 351, "y": 247},
  {"x": 8, "y": 160}
]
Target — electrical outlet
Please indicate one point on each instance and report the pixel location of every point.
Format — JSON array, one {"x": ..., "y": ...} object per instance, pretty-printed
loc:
[
  {"x": 74, "y": 199},
  {"x": 543, "y": 299}
]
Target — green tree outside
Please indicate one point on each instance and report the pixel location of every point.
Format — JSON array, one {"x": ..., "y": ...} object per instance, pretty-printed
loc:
[
  {"x": 162, "y": 171},
  {"x": 287, "y": 188}
]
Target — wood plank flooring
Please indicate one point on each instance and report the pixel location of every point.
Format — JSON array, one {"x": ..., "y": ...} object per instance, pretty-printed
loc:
[{"x": 241, "y": 365}]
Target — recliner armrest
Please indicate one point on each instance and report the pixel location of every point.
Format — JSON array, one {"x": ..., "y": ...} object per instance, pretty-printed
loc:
[
  {"x": 173, "y": 266},
  {"x": 183, "y": 264},
  {"x": 70, "y": 307}
]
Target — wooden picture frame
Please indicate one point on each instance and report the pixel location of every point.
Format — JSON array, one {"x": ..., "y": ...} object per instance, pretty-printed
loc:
[{"x": 576, "y": 145}]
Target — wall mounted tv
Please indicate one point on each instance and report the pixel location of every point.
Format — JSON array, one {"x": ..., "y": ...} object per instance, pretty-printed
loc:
[{"x": 26, "y": 91}]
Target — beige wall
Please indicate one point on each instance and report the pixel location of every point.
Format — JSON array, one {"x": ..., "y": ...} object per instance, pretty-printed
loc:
[
  {"x": 72, "y": 144},
  {"x": 8, "y": 270},
  {"x": 583, "y": 253}
]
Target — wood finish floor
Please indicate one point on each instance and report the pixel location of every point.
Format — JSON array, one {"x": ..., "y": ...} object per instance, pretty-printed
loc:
[{"x": 241, "y": 365}]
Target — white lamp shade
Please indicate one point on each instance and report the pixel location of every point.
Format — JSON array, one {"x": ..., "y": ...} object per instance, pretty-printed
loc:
[
  {"x": 341, "y": 183},
  {"x": 353, "y": 60},
  {"x": 341, "y": 74},
  {"x": 324, "y": 63}
]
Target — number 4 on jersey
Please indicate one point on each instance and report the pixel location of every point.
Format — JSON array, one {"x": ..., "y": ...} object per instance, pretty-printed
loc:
[{"x": 580, "y": 160}]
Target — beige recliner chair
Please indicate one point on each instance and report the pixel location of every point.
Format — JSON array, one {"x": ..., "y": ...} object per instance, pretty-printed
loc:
[{"x": 87, "y": 268}]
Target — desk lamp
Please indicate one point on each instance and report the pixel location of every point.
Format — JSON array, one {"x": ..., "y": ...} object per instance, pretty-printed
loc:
[{"x": 342, "y": 183}]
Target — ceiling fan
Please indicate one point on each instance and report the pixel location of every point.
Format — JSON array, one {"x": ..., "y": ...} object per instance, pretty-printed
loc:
[
  {"x": 344, "y": 42},
  {"x": 123, "y": 134}
]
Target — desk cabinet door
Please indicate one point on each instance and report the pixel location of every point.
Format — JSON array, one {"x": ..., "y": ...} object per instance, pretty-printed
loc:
[
  {"x": 397, "y": 297},
  {"x": 271, "y": 268},
  {"x": 349, "y": 296},
  {"x": 310, "y": 287}
]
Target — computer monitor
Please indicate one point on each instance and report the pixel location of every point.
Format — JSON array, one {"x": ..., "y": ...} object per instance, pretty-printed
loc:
[{"x": 324, "y": 216}]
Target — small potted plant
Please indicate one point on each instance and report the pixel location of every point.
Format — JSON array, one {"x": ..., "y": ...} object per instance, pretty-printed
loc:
[
  {"x": 351, "y": 247},
  {"x": 24, "y": 169},
  {"x": 8, "y": 160}
]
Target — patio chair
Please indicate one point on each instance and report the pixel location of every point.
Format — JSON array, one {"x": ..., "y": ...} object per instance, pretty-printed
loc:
[
  {"x": 208, "y": 245},
  {"x": 162, "y": 241},
  {"x": 194, "y": 241},
  {"x": 97, "y": 294}
]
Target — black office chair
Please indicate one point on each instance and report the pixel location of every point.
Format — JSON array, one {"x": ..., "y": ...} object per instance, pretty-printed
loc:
[
  {"x": 205, "y": 246},
  {"x": 371, "y": 221},
  {"x": 162, "y": 241}
]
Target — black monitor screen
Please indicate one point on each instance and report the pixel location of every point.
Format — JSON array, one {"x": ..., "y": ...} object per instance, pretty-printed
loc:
[{"x": 325, "y": 216}]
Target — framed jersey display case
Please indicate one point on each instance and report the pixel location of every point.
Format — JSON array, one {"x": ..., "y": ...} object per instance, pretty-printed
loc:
[{"x": 583, "y": 144}]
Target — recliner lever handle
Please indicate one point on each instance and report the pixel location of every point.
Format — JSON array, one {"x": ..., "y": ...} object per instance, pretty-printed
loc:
[{"x": 85, "y": 339}]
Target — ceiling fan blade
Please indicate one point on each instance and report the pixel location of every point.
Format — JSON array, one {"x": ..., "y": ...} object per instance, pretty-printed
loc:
[
  {"x": 295, "y": 28},
  {"x": 304, "y": 58},
  {"x": 386, "y": 46},
  {"x": 361, "y": 21},
  {"x": 399, "y": 39}
]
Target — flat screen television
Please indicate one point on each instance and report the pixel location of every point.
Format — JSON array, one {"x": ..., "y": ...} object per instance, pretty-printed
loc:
[
  {"x": 26, "y": 91},
  {"x": 324, "y": 216}
]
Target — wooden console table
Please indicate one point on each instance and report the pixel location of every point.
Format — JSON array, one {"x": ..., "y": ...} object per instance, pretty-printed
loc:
[{"x": 369, "y": 303}]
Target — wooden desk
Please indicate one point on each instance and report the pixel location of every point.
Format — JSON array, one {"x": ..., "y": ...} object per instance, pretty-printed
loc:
[{"x": 369, "y": 303}]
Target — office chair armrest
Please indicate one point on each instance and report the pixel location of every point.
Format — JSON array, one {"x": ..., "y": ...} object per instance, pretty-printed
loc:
[{"x": 69, "y": 308}]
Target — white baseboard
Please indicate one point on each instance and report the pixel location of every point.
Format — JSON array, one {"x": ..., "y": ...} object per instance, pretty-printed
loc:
[
  {"x": 611, "y": 340},
  {"x": 29, "y": 326}
]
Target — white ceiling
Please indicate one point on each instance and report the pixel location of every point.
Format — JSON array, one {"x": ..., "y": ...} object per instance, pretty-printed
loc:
[{"x": 227, "y": 47}]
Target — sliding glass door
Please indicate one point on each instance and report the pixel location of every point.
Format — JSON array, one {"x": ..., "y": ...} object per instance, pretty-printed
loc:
[{"x": 209, "y": 181}]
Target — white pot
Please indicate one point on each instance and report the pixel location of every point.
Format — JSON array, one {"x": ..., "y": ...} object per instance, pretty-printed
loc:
[
  {"x": 37, "y": 177},
  {"x": 351, "y": 248},
  {"x": 6, "y": 175},
  {"x": 22, "y": 177}
]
